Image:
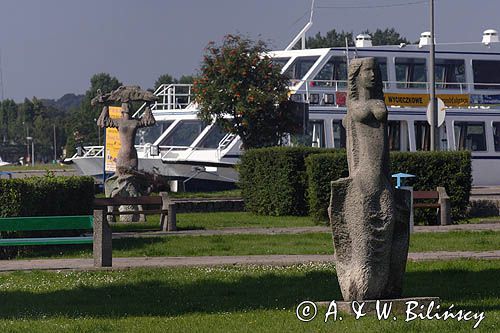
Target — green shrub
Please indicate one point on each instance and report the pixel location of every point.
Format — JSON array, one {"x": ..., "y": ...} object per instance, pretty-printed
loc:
[
  {"x": 432, "y": 169},
  {"x": 273, "y": 180},
  {"x": 45, "y": 196},
  {"x": 321, "y": 170}
]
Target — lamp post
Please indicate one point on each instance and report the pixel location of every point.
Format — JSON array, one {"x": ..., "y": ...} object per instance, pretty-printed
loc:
[
  {"x": 55, "y": 144},
  {"x": 433, "y": 102},
  {"x": 30, "y": 138}
]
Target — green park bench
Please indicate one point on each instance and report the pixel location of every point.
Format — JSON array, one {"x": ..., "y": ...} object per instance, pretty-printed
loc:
[{"x": 46, "y": 223}]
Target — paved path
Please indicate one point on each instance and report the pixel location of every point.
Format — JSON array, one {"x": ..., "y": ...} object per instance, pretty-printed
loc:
[
  {"x": 123, "y": 263},
  {"x": 297, "y": 230}
]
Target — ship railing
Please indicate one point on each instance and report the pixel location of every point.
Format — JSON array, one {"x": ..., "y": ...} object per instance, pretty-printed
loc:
[
  {"x": 224, "y": 143},
  {"x": 89, "y": 151},
  {"x": 333, "y": 92},
  {"x": 184, "y": 152},
  {"x": 175, "y": 96}
]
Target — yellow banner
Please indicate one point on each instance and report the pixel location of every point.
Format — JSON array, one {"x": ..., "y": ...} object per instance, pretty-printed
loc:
[
  {"x": 112, "y": 141},
  {"x": 422, "y": 100}
]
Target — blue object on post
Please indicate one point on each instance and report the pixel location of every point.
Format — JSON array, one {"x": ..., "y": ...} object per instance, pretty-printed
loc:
[{"x": 400, "y": 176}]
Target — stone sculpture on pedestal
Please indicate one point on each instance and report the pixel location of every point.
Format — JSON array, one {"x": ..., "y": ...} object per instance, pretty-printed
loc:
[
  {"x": 127, "y": 181},
  {"x": 369, "y": 218}
]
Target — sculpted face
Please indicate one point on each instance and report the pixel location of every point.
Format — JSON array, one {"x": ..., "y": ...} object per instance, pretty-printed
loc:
[{"x": 367, "y": 75}]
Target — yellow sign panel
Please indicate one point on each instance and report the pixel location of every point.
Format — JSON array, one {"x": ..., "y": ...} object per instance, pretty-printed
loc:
[
  {"x": 421, "y": 100},
  {"x": 112, "y": 140}
]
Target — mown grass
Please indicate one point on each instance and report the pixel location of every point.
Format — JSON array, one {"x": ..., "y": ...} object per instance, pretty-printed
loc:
[
  {"x": 479, "y": 220},
  {"x": 38, "y": 167},
  {"x": 248, "y": 244},
  {"x": 195, "y": 221},
  {"x": 230, "y": 299},
  {"x": 214, "y": 194}
]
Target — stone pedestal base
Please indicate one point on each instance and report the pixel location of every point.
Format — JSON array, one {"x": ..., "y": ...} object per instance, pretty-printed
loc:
[{"x": 400, "y": 305}]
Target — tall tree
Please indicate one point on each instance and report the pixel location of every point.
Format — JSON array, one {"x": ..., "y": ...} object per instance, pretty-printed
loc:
[
  {"x": 164, "y": 79},
  {"x": 387, "y": 37},
  {"x": 338, "y": 39},
  {"x": 238, "y": 81},
  {"x": 186, "y": 79},
  {"x": 82, "y": 128},
  {"x": 331, "y": 39}
]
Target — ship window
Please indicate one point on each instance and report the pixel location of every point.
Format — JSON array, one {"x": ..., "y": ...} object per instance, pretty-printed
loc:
[
  {"x": 151, "y": 134},
  {"x": 213, "y": 138},
  {"x": 334, "y": 70},
  {"x": 422, "y": 135},
  {"x": 410, "y": 71},
  {"x": 338, "y": 134},
  {"x": 394, "y": 128},
  {"x": 496, "y": 135},
  {"x": 470, "y": 135},
  {"x": 184, "y": 133},
  {"x": 280, "y": 61},
  {"x": 316, "y": 133},
  {"x": 486, "y": 71},
  {"x": 450, "y": 73},
  {"x": 300, "y": 67}
]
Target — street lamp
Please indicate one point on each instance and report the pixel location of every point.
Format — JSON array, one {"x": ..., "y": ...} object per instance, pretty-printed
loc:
[{"x": 30, "y": 138}]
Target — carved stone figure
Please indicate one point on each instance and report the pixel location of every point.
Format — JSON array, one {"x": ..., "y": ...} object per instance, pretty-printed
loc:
[
  {"x": 127, "y": 181},
  {"x": 369, "y": 218}
]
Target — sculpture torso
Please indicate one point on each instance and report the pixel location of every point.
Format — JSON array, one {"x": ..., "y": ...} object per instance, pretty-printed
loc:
[{"x": 127, "y": 155}]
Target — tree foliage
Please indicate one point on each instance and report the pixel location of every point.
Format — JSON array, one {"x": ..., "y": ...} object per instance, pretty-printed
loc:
[
  {"x": 331, "y": 39},
  {"x": 243, "y": 91},
  {"x": 82, "y": 128},
  {"x": 169, "y": 79},
  {"x": 387, "y": 37},
  {"x": 338, "y": 39}
]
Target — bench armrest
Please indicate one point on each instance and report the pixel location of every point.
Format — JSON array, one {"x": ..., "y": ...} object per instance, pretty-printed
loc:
[{"x": 445, "y": 210}]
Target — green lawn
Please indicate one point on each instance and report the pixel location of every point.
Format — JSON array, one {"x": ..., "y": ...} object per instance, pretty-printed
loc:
[
  {"x": 230, "y": 299},
  {"x": 227, "y": 245},
  {"x": 36, "y": 167},
  {"x": 213, "y": 194},
  {"x": 190, "y": 221}
]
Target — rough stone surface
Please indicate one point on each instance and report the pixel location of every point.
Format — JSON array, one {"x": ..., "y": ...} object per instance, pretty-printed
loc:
[
  {"x": 127, "y": 181},
  {"x": 102, "y": 246},
  {"x": 369, "y": 218}
]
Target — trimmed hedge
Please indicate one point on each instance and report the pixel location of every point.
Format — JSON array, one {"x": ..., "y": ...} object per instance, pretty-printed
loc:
[
  {"x": 321, "y": 170},
  {"x": 46, "y": 196},
  {"x": 432, "y": 169},
  {"x": 273, "y": 180}
]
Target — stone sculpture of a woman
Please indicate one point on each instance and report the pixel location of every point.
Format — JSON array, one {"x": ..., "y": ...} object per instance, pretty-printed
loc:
[
  {"x": 369, "y": 217},
  {"x": 127, "y": 181}
]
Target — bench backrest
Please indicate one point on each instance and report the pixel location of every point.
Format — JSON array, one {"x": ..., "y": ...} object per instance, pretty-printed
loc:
[
  {"x": 118, "y": 201},
  {"x": 425, "y": 195},
  {"x": 32, "y": 223}
]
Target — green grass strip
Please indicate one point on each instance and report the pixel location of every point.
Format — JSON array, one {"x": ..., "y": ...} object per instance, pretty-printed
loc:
[{"x": 228, "y": 245}]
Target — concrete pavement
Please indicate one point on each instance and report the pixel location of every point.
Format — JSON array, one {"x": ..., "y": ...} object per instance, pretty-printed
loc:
[{"x": 283, "y": 260}]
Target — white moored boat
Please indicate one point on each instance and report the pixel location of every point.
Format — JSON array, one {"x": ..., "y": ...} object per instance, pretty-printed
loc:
[{"x": 467, "y": 80}]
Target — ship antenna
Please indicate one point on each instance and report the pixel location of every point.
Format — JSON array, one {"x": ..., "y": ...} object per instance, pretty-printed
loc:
[
  {"x": 302, "y": 34},
  {"x": 1, "y": 77}
]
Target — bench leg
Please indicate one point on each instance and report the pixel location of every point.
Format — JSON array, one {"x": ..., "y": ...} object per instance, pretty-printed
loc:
[
  {"x": 102, "y": 240},
  {"x": 172, "y": 218}
]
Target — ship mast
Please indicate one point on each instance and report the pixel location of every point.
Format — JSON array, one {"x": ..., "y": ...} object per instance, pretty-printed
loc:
[{"x": 302, "y": 34}]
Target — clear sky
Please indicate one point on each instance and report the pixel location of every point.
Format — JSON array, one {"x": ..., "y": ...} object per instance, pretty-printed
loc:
[{"x": 52, "y": 47}]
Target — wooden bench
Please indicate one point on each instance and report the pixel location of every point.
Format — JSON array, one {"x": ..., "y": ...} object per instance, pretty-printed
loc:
[
  {"x": 202, "y": 205},
  {"x": 102, "y": 231},
  {"x": 442, "y": 203},
  {"x": 45, "y": 223}
]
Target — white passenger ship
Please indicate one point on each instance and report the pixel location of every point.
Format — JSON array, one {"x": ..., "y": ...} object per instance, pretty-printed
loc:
[{"x": 467, "y": 80}]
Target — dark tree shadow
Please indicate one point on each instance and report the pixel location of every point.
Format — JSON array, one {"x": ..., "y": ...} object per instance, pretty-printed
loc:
[{"x": 211, "y": 295}]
